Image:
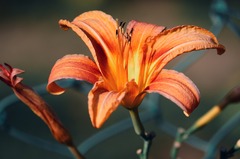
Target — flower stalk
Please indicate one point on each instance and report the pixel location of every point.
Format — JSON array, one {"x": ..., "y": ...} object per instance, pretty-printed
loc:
[
  {"x": 73, "y": 149},
  {"x": 231, "y": 97},
  {"x": 140, "y": 131}
]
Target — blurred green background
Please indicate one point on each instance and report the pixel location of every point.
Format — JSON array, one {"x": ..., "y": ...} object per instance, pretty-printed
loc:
[{"x": 31, "y": 39}]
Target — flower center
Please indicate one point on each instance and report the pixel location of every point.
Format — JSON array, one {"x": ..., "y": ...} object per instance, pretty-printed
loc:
[
  {"x": 121, "y": 57},
  {"x": 129, "y": 60}
]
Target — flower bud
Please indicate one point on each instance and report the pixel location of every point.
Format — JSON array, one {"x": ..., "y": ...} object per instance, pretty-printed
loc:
[{"x": 28, "y": 96}]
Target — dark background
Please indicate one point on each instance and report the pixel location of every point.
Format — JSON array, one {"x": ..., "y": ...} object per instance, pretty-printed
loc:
[{"x": 31, "y": 39}]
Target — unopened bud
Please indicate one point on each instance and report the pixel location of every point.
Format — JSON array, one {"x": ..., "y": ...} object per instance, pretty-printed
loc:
[
  {"x": 232, "y": 97},
  {"x": 28, "y": 96}
]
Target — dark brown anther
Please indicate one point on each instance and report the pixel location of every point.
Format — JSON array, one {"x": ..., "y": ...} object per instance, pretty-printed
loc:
[
  {"x": 131, "y": 31},
  {"x": 128, "y": 36},
  {"x": 122, "y": 24}
]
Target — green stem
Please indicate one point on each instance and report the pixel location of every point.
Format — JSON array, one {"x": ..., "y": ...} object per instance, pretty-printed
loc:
[
  {"x": 137, "y": 124},
  {"x": 140, "y": 131},
  {"x": 182, "y": 135},
  {"x": 177, "y": 143}
]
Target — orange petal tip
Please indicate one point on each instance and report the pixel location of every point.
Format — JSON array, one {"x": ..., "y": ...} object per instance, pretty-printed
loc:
[
  {"x": 221, "y": 49},
  {"x": 186, "y": 114}
]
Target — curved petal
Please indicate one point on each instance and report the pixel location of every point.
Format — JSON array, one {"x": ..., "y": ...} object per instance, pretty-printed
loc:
[
  {"x": 176, "y": 41},
  {"x": 75, "y": 66},
  {"x": 138, "y": 58},
  {"x": 141, "y": 33},
  {"x": 98, "y": 31},
  {"x": 101, "y": 103},
  {"x": 178, "y": 88}
]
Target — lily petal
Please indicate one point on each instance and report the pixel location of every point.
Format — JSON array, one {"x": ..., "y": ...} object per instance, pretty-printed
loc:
[
  {"x": 102, "y": 103},
  {"x": 176, "y": 41},
  {"x": 98, "y": 30},
  {"x": 140, "y": 33},
  {"x": 178, "y": 88},
  {"x": 74, "y": 66}
]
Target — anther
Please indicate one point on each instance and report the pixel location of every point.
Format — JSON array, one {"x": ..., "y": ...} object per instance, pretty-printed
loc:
[
  {"x": 122, "y": 24},
  {"x": 131, "y": 31},
  {"x": 128, "y": 36}
]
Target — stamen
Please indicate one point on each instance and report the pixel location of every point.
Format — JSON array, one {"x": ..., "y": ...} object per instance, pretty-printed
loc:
[
  {"x": 123, "y": 37},
  {"x": 129, "y": 35},
  {"x": 122, "y": 24},
  {"x": 131, "y": 31}
]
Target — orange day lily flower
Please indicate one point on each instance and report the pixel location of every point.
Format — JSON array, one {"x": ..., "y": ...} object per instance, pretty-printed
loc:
[{"x": 128, "y": 64}]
